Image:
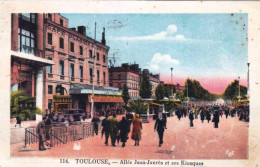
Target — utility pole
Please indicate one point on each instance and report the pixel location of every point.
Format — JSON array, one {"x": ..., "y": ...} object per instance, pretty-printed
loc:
[
  {"x": 171, "y": 81},
  {"x": 248, "y": 80},
  {"x": 93, "y": 71},
  {"x": 238, "y": 88}
]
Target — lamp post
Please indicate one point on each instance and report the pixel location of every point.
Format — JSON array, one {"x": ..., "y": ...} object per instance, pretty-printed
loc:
[
  {"x": 171, "y": 81},
  {"x": 248, "y": 80},
  {"x": 238, "y": 88},
  {"x": 93, "y": 71}
]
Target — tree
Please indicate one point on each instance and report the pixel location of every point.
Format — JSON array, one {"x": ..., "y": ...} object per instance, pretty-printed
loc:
[
  {"x": 195, "y": 90},
  {"x": 138, "y": 106},
  {"x": 145, "y": 87},
  {"x": 159, "y": 92},
  {"x": 169, "y": 90},
  {"x": 125, "y": 94},
  {"x": 180, "y": 96},
  {"x": 23, "y": 113},
  {"x": 232, "y": 91}
]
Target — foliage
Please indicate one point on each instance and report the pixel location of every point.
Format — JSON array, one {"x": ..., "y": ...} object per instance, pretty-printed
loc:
[
  {"x": 180, "y": 96},
  {"x": 169, "y": 105},
  {"x": 138, "y": 106},
  {"x": 195, "y": 90},
  {"x": 125, "y": 94},
  {"x": 159, "y": 92},
  {"x": 169, "y": 90},
  {"x": 232, "y": 91},
  {"x": 23, "y": 113},
  {"x": 145, "y": 87}
]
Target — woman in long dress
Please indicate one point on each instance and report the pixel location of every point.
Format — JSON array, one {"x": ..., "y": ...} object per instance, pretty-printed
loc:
[{"x": 136, "y": 131}]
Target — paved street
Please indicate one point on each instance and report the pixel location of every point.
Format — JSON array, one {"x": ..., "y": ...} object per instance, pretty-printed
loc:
[{"x": 229, "y": 141}]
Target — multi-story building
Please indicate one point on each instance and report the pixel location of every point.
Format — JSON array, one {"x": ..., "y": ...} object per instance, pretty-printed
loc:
[
  {"x": 27, "y": 56},
  {"x": 154, "y": 79},
  {"x": 80, "y": 63},
  {"x": 128, "y": 75},
  {"x": 61, "y": 67}
]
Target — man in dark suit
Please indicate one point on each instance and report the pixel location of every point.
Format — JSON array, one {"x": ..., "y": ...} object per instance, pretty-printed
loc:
[
  {"x": 160, "y": 125},
  {"x": 105, "y": 124},
  {"x": 41, "y": 133}
]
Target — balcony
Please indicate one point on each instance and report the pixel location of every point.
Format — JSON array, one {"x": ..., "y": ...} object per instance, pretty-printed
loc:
[
  {"x": 62, "y": 77},
  {"x": 50, "y": 75},
  {"x": 30, "y": 50},
  {"x": 72, "y": 79},
  {"x": 81, "y": 80}
]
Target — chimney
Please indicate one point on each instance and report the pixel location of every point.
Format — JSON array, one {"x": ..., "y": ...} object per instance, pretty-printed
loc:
[
  {"x": 103, "y": 41},
  {"x": 73, "y": 28},
  {"x": 82, "y": 30}
]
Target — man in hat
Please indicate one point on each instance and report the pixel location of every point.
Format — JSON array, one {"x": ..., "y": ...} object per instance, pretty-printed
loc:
[
  {"x": 105, "y": 124},
  {"x": 41, "y": 133},
  {"x": 160, "y": 125}
]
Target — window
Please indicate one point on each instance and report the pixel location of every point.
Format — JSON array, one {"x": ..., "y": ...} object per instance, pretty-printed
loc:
[
  {"x": 90, "y": 54},
  {"x": 91, "y": 74},
  {"x": 104, "y": 77},
  {"x": 49, "y": 16},
  {"x": 72, "y": 70},
  {"x": 97, "y": 56},
  {"x": 50, "y": 89},
  {"x": 61, "y": 43},
  {"x": 49, "y": 68},
  {"x": 81, "y": 50},
  {"x": 72, "y": 47},
  {"x": 98, "y": 75},
  {"x": 50, "y": 38},
  {"x": 49, "y": 104},
  {"x": 26, "y": 41},
  {"x": 30, "y": 17},
  {"x": 104, "y": 59},
  {"x": 61, "y": 22},
  {"x": 61, "y": 67},
  {"x": 81, "y": 72}
]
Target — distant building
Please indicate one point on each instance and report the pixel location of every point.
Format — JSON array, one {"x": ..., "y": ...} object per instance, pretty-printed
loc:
[
  {"x": 154, "y": 79},
  {"x": 126, "y": 74},
  {"x": 179, "y": 88}
]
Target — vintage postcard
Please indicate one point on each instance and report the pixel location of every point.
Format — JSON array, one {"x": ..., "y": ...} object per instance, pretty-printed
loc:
[{"x": 130, "y": 83}]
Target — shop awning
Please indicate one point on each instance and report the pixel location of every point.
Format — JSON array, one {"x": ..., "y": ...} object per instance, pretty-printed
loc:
[{"x": 106, "y": 99}]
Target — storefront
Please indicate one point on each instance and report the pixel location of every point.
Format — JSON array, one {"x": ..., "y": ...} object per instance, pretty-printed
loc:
[{"x": 107, "y": 100}]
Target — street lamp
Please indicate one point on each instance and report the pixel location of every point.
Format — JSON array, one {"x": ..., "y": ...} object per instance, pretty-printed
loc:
[
  {"x": 238, "y": 88},
  {"x": 171, "y": 81},
  {"x": 248, "y": 80}
]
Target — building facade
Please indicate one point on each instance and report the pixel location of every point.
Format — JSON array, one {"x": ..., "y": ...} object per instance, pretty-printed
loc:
[
  {"x": 60, "y": 66},
  {"x": 80, "y": 62},
  {"x": 128, "y": 75},
  {"x": 27, "y": 56}
]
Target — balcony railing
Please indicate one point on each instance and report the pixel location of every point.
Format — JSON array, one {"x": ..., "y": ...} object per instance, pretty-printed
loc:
[
  {"x": 72, "y": 79},
  {"x": 50, "y": 75},
  {"x": 62, "y": 77},
  {"x": 81, "y": 80}
]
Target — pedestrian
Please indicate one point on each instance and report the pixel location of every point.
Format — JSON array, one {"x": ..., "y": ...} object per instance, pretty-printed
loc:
[
  {"x": 41, "y": 133},
  {"x": 191, "y": 117},
  {"x": 208, "y": 115},
  {"x": 124, "y": 129},
  {"x": 96, "y": 122},
  {"x": 216, "y": 119},
  {"x": 202, "y": 116},
  {"x": 18, "y": 121},
  {"x": 105, "y": 125},
  {"x": 129, "y": 118},
  {"x": 48, "y": 125},
  {"x": 113, "y": 129},
  {"x": 226, "y": 112},
  {"x": 160, "y": 125},
  {"x": 136, "y": 131}
]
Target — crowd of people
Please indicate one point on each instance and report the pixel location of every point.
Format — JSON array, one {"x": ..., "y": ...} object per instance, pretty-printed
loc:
[
  {"x": 212, "y": 113},
  {"x": 118, "y": 130}
]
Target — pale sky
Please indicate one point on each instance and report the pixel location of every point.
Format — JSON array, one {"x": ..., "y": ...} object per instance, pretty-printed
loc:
[{"x": 211, "y": 48}]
